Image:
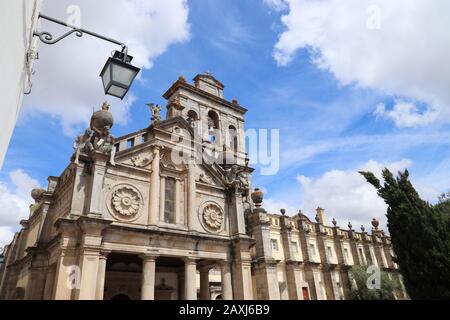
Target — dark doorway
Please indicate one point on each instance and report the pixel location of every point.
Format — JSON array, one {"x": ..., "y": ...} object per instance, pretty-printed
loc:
[
  {"x": 305, "y": 293},
  {"x": 121, "y": 297}
]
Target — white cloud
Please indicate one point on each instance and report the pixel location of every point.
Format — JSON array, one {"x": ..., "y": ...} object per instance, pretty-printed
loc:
[
  {"x": 398, "y": 47},
  {"x": 67, "y": 83},
  {"x": 406, "y": 114},
  {"x": 277, "y": 5},
  {"x": 346, "y": 195},
  {"x": 14, "y": 203}
]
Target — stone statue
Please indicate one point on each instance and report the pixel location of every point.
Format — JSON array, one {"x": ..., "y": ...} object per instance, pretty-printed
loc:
[
  {"x": 78, "y": 145},
  {"x": 236, "y": 178},
  {"x": 105, "y": 144},
  {"x": 156, "y": 112},
  {"x": 82, "y": 144},
  {"x": 97, "y": 136}
]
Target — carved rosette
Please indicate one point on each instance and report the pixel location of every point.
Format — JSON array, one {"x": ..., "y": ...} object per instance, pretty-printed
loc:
[
  {"x": 125, "y": 202},
  {"x": 212, "y": 217}
]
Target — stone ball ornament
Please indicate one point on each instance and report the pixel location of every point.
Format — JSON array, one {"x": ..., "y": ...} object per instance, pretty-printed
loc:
[
  {"x": 125, "y": 202},
  {"x": 212, "y": 217},
  {"x": 102, "y": 118},
  {"x": 37, "y": 194}
]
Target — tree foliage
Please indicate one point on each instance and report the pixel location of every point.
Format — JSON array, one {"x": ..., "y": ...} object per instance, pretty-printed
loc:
[
  {"x": 420, "y": 235},
  {"x": 362, "y": 292}
]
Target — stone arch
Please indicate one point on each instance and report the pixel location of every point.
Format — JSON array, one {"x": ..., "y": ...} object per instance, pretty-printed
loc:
[{"x": 213, "y": 126}]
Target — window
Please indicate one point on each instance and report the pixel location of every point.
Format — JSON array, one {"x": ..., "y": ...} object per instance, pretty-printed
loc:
[
  {"x": 144, "y": 137},
  {"x": 346, "y": 254},
  {"x": 294, "y": 247},
  {"x": 233, "y": 138},
  {"x": 329, "y": 252},
  {"x": 130, "y": 143},
  {"x": 361, "y": 256},
  {"x": 312, "y": 250},
  {"x": 213, "y": 126},
  {"x": 169, "y": 200},
  {"x": 274, "y": 243},
  {"x": 117, "y": 146}
]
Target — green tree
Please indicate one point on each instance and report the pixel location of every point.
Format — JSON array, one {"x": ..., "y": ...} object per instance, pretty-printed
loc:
[
  {"x": 420, "y": 234},
  {"x": 363, "y": 292}
]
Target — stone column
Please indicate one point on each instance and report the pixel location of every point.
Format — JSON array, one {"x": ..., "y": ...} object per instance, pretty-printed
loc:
[
  {"x": 177, "y": 200},
  {"x": 67, "y": 273},
  {"x": 92, "y": 229},
  {"x": 148, "y": 277},
  {"x": 66, "y": 276},
  {"x": 236, "y": 214},
  {"x": 154, "y": 187},
  {"x": 89, "y": 274},
  {"x": 190, "y": 283},
  {"x": 101, "y": 275},
  {"x": 227, "y": 289},
  {"x": 191, "y": 196},
  {"x": 96, "y": 186},
  {"x": 49, "y": 281},
  {"x": 205, "y": 293}
]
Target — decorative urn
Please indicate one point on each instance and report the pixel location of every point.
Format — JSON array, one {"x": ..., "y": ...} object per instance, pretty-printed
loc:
[
  {"x": 257, "y": 197},
  {"x": 375, "y": 223}
]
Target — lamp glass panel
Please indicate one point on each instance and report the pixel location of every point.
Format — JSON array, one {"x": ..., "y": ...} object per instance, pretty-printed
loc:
[
  {"x": 122, "y": 74},
  {"x": 106, "y": 77},
  {"x": 117, "y": 91}
]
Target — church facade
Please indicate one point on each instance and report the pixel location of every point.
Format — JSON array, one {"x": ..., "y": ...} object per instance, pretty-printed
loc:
[{"x": 169, "y": 212}]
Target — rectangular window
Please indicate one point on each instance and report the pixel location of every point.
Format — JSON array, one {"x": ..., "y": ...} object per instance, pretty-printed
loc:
[
  {"x": 294, "y": 246},
  {"x": 130, "y": 143},
  {"x": 361, "y": 256},
  {"x": 274, "y": 243},
  {"x": 169, "y": 200},
  {"x": 144, "y": 137},
  {"x": 329, "y": 252},
  {"x": 346, "y": 257},
  {"x": 312, "y": 250}
]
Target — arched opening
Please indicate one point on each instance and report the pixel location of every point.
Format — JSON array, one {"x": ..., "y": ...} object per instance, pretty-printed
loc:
[
  {"x": 213, "y": 127},
  {"x": 192, "y": 118},
  {"x": 233, "y": 138},
  {"x": 219, "y": 297}
]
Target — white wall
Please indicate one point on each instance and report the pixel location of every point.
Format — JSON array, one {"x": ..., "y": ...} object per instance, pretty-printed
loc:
[{"x": 15, "y": 25}]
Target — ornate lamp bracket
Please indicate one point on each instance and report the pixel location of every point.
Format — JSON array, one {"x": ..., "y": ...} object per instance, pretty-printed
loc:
[{"x": 47, "y": 38}]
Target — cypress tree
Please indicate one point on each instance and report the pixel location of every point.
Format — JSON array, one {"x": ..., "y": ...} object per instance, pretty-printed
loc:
[{"x": 420, "y": 235}]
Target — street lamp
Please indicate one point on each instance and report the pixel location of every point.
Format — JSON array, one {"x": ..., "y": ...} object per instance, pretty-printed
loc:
[{"x": 117, "y": 75}]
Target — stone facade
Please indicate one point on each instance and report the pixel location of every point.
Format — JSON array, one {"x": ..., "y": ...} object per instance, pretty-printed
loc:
[{"x": 167, "y": 213}]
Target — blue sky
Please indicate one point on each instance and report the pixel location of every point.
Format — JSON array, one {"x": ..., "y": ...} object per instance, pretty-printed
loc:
[{"x": 322, "y": 95}]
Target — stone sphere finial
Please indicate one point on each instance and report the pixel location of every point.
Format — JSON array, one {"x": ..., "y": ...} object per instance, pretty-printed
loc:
[
  {"x": 37, "y": 194},
  {"x": 363, "y": 228},
  {"x": 350, "y": 226},
  {"x": 257, "y": 197},
  {"x": 102, "y": 118},
  {"x": 375, "y": 223},
  {"x": 334, "y": 222},
  {"x": 181, "y": 79},
  {"x": 283, "y": 211}
]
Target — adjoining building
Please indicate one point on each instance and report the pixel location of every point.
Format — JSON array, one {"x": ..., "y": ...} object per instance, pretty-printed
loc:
[{"x": 168, "y": 212}]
